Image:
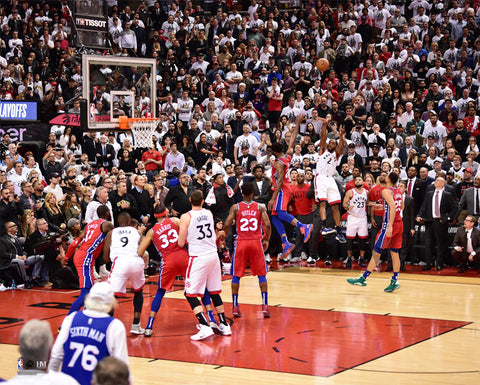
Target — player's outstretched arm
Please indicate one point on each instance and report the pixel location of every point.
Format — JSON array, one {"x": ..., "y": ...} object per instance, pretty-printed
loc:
[
  {"x": 341, "y": 143},
  {"x": 144, "y": 243},
  {"x": 294, "y": 135},
  {"x": 231, "y": 216},
  {"x": 323, "y": 134},
  {"x": 182, "y": 235}
]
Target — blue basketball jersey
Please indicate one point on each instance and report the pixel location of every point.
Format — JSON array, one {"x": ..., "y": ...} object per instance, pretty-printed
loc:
[{"x": 85, "y": 346}]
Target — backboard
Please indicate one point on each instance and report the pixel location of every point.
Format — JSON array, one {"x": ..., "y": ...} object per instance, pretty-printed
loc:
[{"x": 117, "y": 85}]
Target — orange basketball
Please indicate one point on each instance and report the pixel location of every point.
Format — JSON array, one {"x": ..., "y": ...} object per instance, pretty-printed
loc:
[{"x": 322, "y": 64}]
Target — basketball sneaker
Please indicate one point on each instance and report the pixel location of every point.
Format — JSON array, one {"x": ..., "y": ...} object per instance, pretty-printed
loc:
[
  {"x": 311, "y": 260},
  {"x": 225, "y": 330},
  {"x": 394, "y": 285},
  {"x": 214, "y": 327},
  {"x": 306, "y": 231},
  {"x": 328, "y": 230},
  {"x": 204, "y": 331},
  {"x": 236, "y": 312},
  {"x": 328, "y": 262},
  {"x": 340, "y": 237},
  {"x": 137, "y": 329},
  {"x": 265, "y": 311},
  {"x": 348, "y": 263},
  {"x": 287, "y": 249},
  {"x": 359, "y": 281},
  {"x": 148, "y": 332}
]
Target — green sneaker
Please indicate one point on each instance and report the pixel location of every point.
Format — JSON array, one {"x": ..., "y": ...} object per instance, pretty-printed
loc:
[
  {"x": 359, "y": 281},
  {"x": 393, "y": 286}
]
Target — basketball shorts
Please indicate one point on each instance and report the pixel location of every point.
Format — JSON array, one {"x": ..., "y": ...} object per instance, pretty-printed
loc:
[
  {"x": 124, "y": 269},
  {"x": 203, "y": 272},
  {"x": 84, "y": 263},
  {"x": 393, "y": 242},
  {"x": 357, "y": 226},
  {"x": 248, "y": 251},
  {"x": 174, "y": 265},
  {"x": 326, "y": 189},
  {"x": 283, "y": 199}
]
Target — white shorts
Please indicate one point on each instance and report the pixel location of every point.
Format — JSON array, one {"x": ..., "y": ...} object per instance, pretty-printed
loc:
[
  {"x": 203, "y": 273},
  {"x": 127, "y": 269},
  {"x": 326, "y": 189},
  {"x": 357, "y": 226}
]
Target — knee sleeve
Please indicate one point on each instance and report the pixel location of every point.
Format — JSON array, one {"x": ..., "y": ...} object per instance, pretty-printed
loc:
[
  {"x": 235, "y": 279},
  {"x": 217, "y": 300},
  {"x": 138, "y": 301},
  {"x": 284, "y": 216},
  {"x": 206, "y": 298},
  {"x": 193, "y": 301},
  {"x": 157, "y": 301},
  {"x": 349, "y": 243},
  {"x": 262, "y": 278},
  {"x": 363, "y": 244}
]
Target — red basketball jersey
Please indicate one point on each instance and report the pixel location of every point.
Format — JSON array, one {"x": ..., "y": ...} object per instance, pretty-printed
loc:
[
  {"x": 165, "y": 237},
  {"x": 286, "y": 161},
  {"x": 398, "y": 199},
  {"x": 94, "y": 238},
  {"x": 249, "y": 221}
]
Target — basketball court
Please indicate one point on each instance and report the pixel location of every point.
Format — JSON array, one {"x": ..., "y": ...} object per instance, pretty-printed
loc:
[{"x": 322, "y": 331}]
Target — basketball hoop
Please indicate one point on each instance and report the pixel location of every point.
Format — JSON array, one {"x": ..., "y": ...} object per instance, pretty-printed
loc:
[{"x": 142, "y": 130}]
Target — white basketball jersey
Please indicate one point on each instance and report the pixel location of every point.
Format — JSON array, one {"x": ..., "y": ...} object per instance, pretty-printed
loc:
[
  {"x": 201, "y": 235},
  {"x": 124, "y": 242},
  {"x": 326, "y": 163},
  {"x": 359, "y": 203}
]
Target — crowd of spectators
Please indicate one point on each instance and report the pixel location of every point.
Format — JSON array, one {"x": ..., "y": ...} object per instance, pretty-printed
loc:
[{"x": 232, "y": 78}]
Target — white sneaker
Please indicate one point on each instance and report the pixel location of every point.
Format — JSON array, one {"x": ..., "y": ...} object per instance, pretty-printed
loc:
[
  {"x": 3, "y": 287},
  {"x": 225, "y": 329},
  {"x": 214, "y": 327},
  {"x": 295, "y": 259},
  {"x": 203, "y": 332},
  {"x": 137, "y": 329},
  {"x": 304, "y": 256},
  {"x": 268, "y": 258}
]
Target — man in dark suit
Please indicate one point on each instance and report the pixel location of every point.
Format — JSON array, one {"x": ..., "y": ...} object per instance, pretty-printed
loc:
[
  {"x": 105, "y": 153},
  {"x": 470, "y": 200},
  {"x": 437, "y": 211},
  {"x": 415, "y": 188},
  {"x": 246, "y": 160},
  {"x": 226, "y": 142},
  {"x": 143, "y": 200},
  {"x": 466, "y": 244},
  {"x": 262, "y": 191},
  {"x": 235, "y": 181}
]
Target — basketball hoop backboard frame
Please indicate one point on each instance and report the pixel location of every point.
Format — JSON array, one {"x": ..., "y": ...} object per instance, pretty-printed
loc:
[{"x": 118, "y": 69}]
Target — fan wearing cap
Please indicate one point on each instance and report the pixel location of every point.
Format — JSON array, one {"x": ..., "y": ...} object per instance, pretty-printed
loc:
[
  {"x": 282, "y": 193},
  {"x": 88, "y": 336}
]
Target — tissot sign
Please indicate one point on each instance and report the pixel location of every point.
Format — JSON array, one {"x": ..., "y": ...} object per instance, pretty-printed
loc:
[
  {"x": 91, "y": 23},
  {"x": 18, "y": 110}
]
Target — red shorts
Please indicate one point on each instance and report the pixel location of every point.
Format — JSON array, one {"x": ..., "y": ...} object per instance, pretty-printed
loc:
[
  {"x": 393, "y": 242},
  {"x": 249, "y": 251},
  {"x": 174, "y": 265},
  {"x": 283, "y": 199},
  {"x": 84, "y": 263}
]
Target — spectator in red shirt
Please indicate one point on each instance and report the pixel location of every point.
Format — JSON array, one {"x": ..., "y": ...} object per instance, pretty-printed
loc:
[{"x": 152, "y": 160}]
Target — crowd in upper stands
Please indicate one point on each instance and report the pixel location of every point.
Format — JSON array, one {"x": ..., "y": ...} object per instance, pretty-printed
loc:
[{"x": 232, "y": 78}]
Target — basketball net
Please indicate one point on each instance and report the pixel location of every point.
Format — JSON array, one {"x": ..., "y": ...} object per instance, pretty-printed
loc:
[{"x": 142, "y": 132}]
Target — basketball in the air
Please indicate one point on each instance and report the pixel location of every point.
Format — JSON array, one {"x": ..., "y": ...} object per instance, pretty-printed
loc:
[{"x": 323, "y": 64}]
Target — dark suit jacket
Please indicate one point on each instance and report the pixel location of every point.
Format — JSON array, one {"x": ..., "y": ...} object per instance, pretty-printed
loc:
[
  {"x": 461, "y": 239},
  {"x": 408, "y": 213},
  {"x": 265, "y": 195},
  {"x": 448, "y": 207},
  {"x": 7, "y": 251},
  {"x": 358, "y": 162},
  {"x": 108, "y": 157},
  {"x": 418, "y": 192},
  {"x": 222, "y": 145},
  {"x": 144, "y": 203},
  {"x": 449, "y": 188},
  {"x": 467, "y": 202}
]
